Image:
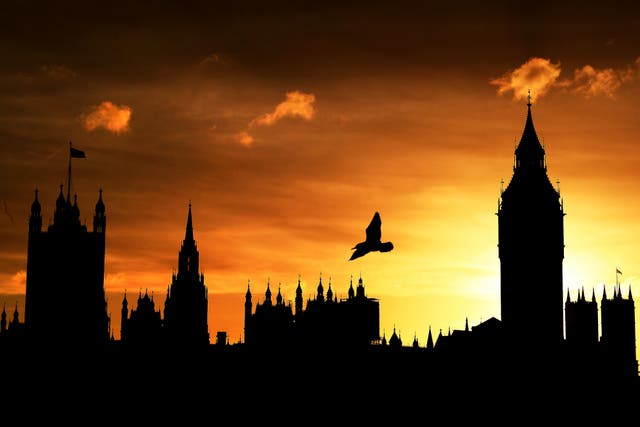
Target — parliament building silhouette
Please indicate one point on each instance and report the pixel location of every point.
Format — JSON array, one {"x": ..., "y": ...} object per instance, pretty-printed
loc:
[{"x": 536, "y": 339}]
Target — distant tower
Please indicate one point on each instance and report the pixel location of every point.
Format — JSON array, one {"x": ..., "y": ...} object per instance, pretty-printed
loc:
[
  {"x": 124, "y": 317},
  {"x": 248, "y": 307},
  {"x": 430, "y": 340},
  {"x": 618, "y": 330},
  {"x": 531, "y": 247},
  {"x": 143, "y": 326},
  {"x": 65, "y": 298},
  {"x": 186, "y": 306},
  {"x": 298, "y": 299},
  {"x": 581, "y": 319}
]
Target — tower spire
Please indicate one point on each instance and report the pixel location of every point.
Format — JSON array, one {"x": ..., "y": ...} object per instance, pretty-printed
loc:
[
  {"x": 188, "y": 236},
  {"x": 529, "y": 151}
]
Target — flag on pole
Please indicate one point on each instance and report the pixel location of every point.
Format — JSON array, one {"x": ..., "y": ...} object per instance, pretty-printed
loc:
[
  {"x": 618, "y": 271},
  {"x": 78, "y": 154}
]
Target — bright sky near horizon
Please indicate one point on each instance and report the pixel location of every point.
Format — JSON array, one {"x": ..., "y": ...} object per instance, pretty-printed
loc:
[{"x": 286, "y": 127}]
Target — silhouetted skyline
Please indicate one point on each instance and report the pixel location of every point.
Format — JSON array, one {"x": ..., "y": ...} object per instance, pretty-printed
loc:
[
  {"x": 526, "y": 349},
  {"x": 285, "y": 125}
]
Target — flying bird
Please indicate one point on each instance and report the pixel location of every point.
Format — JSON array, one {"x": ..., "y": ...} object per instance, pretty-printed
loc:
[{"x": 373, "y": 241}]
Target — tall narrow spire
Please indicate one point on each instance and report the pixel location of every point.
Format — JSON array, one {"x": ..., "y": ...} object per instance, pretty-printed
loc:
[
  {"x": 429, "y": 340},
  {"x": 529, "y": 151},
  {"x": 188, "y": 236}
]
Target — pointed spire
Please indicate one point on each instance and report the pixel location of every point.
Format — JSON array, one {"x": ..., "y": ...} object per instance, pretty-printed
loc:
[
  {"x": 100, "y": 203},
  {"x": 466, "y": 324},
  {"x": 267, "y": 294},
  {"x": 320, "y": 287},
  {"x": 75, "y": 210},
  {"x": 279, "y": 296},
  {"x": 429, "y": 340},
  {"x": 630, "y": 296},
  {"x": 188, "y": 236},
  {"x": 35, "y": 206},
  {"x": 593, "y": 294},
  {"x": 604, "y": 292},
  {"x": 351, "y": 292},
  {"x": 568, "y": 296},
  {"x": 60, "y": 202},
  {"x": 529, "y": 151}
]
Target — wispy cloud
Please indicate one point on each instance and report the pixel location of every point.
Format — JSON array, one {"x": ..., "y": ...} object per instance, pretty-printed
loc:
[
  {"x": 244, "y": 138},
  {"x": 111, "y": 117},
  {"x": 537, "y": 75},
  {"x": 58, "y": 72},
  {"x": 296, "y": 105},
  {"x": 114, "y": 280},
  {"x": 17, "y": 283},
  {"x": 214, "y": 58},
  {"x": 590, "y": 81},
  {"x": 540, "y": 75}
]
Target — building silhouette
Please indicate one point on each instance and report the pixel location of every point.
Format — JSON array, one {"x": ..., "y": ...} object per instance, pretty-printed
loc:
[
  {"x": 618, "y": 331},
  {"x": 531, "y": 247},
  {"x": 325, "y": 322},
  {"x": 65, "y": 301},
  {"x": 581, "y": 320},
  {"x": 538, "y": 341},
  {"x": 185, "y": 309},
  {"x": 142, "y": 326},
  {"x": 186, "y": 306}
]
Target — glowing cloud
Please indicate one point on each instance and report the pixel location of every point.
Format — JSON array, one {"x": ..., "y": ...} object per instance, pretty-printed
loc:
[
  {"x": 116, "y": 280},
  {"x": 590, "y": 81},
  {"x": 537, "y": 75},
  {"x": 114, "y": 118},
  {"x": 540, "y": 75},
  {"x": 244, "y": 138},
  {"x": 17, "y": 284},
  {"x": 297, "y": 104}
]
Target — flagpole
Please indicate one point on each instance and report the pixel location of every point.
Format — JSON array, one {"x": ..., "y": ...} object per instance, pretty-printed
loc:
[{"x": 69, "y": 176}]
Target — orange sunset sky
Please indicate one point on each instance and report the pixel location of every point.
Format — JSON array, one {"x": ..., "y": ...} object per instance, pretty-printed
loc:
[{"x": 288, "y": 124}]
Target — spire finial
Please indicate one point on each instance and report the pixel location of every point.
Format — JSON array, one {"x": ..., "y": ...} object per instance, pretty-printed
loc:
[
  {"x": 529, "y": 98},
  {"x": 188, "y": 237}
]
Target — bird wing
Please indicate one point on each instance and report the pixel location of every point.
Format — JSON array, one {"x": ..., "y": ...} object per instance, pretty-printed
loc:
[
  {"x": 374, "y": 230},
  {"x": 358, "y": 253}
]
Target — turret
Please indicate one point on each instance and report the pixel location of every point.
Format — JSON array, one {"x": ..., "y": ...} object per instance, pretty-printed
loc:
[
  {"x": 35, "y": 219},
  {"x": 99, "y": 219}
]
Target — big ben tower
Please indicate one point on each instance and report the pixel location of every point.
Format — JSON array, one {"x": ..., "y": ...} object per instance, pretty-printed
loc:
[{"x": 531, "y": 247}]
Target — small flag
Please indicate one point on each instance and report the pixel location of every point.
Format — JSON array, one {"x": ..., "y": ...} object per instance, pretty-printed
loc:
[
  {"x": 618, "y": 271},
  {"x": 78, "y": 154}
]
